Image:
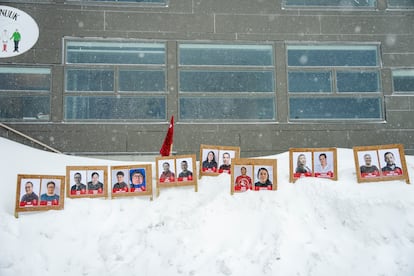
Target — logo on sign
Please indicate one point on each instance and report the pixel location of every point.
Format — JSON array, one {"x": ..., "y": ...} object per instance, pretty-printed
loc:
[{"x": 18, "y": 32}]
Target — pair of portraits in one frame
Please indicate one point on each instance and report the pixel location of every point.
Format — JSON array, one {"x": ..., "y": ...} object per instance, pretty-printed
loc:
[
  {"x": 253, "y": 174},
  {"x": 87, "y": 181},
  {"x": 313, "y": 162},
  {"x": 178, "y": 170},
  {"x": 215, "y": 160},
  {"x": 39, "y": 192},
  {"x": 131, "y": 180},
  {"x": 380, "y": 163}
]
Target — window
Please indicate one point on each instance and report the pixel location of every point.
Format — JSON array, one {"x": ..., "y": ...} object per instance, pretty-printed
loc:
[
  {"x": 334, "y": 82},
  {"x": 115, "y": 81},
  {"x": 29, "y": 1},
  {"x": 25, "y": 93},
  {"x": 401, "y": 4},
  {"x": 226, "y": 82},
  {"x": 152, "y": 2},
  {"x": 403, "y": 80},
  {"x": 331, "y": 3}
]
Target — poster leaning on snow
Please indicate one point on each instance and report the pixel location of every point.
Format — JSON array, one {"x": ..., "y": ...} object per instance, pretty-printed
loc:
[
  {"x": 131, "y": 180},
  {"x": 87, "y": 181},
  {"x": 215, "y": 160},
  {"x": 313, "y": 162},
  {"x": 380, "y": 163},
  {"x": 177, "y": 170},
  {"x": 253, "y": 174},
  {"x": 39, "y": 193}
]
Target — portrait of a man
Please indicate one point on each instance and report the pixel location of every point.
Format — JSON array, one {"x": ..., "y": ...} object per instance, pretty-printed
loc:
[
  {"x": 138, "y": 180},
  {"x": 243, "y": 180},
  {"x": 167, "y": 170},
  {"x": 78, "y": 187},
  {"x": 50, "y": 192},
  {"x": 324, "y": 164},
  {"x": 185, "y": 171},
  {"x": 390, "y": 166},
  {"x": 30, "y": 196},
  {"x": 225, "y": 161},
  {"x": 369, "y": 161},
  {"x": 120, "y": 185}
]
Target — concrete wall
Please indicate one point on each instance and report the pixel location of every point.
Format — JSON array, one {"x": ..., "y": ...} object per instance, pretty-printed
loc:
[{"x": 221, "y": 21}]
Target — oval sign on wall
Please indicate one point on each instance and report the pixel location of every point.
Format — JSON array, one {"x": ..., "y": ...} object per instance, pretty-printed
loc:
[{"x": 18, "y": 32}]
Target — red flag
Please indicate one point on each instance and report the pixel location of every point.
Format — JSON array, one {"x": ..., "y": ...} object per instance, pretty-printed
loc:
[{"x": 168, "y": 141}]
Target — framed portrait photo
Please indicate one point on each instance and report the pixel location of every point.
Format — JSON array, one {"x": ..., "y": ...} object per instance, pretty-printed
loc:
[
  {"x": 131, "y": 180},
  {"x": 215, "y": 160},
  {"x": 301, "y": 163},
  {"x": 380, "y": 163},
  {"x": 313, "y": 162},
  {"x": 86, "y": 181},
  {"x": 177, "y": 170},
  {"x": 325, "y": 163},
  {"x": 253, "y": 174},
  {"x": 186, "y": 169},
  {"x": 165, "y": 170},
  {"x": 39, "y": 192}
]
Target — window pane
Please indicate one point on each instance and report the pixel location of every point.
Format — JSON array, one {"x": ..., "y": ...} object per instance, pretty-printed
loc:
[
  {"x": 317, "y": 81},
  {"x": 335, "y": 108},
  {"x": 357, "y": 81},
  {"x": 29, "y": 1},
  {"x": 401, "y": 4},
  {"x": 403, "y": 80},
  {"x": 85, "y": 108},
  {"x": 242, "y": 55},
  {"x": 332, "y": 3},
  {"x": 227, "y": 108},
  {"x": 25, "y": 79},
  {"x": 24, "y": 108},
  {"x": 332, "y": 55},
  {"x": 226, "y": 81},
  {"x": 140, "y": 80},
  {"x": 131, "y": 1},
  {"x": 89, "y": 80},
  {"x": 115, "y": 52}
]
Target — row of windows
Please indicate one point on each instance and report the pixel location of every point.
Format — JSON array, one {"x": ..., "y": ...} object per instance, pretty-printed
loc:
[
  {"x": 127, "y": 81},
  {"x": 398, "y": 4}
]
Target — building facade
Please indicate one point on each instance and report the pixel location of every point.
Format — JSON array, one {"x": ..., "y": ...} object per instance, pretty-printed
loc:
[{"x": 105, "y": 77}]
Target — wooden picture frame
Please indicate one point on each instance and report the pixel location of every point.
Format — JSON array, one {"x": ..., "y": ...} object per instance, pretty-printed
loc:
[
  {"x": 253, "y": 174},
  {"x": 177, "y": 170},
  {"x": 380, "y": 163},
  {"x": 221, "y": 159},
  {"x": 313, "y": 162},
  {"x": 39, "y": 193},
  {"x": 131, "y": 180},
  {"x": 93, "y": 181}
]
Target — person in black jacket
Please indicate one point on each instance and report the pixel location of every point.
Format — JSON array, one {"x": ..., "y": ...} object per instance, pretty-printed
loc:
[
  {"x": 95, "y": 184},
  {"x": 30, "y": 197},
  {"x": 264, "y": 181},
  {"x": 210, "y": 164},
  {"x": 78, "y": 186}
]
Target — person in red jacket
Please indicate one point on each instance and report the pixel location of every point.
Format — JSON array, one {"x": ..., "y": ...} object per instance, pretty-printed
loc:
[{"x": 243, "y": 182}]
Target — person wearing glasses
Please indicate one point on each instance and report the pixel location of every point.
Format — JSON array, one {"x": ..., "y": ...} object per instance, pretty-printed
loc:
[{"x": 30, "y": 197}]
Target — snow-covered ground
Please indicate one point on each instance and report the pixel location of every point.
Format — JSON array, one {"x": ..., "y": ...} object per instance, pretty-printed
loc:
[{"x": 313, "y": 227}]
